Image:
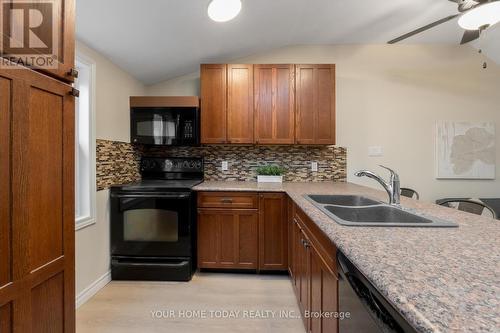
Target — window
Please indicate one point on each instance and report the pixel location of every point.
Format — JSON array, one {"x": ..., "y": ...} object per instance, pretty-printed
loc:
[{"x": 85, "y": 187}]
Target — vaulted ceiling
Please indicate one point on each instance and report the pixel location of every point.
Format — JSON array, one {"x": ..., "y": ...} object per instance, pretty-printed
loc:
[{"x": 155, "y": 40}]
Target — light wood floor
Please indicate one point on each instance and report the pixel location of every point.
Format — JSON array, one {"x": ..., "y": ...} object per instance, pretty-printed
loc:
[{"x": 126, "y": 307}]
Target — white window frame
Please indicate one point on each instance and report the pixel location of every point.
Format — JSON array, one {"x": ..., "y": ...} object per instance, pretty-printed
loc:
[{"x": 85, "y": 221}]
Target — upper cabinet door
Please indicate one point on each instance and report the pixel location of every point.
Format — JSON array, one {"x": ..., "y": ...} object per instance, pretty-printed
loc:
[
  {"x": 274, "y": 104},
  {"x": 315, "y": 93},
  {"x": 325, "y": 130},
  {"x": 53, "y": 41},
  {"x": 213, "y": 103},
  {"x": 240, "y": 115}
]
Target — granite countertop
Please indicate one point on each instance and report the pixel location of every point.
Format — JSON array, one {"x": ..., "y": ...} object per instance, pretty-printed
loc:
[{"x": 440, "y": 279}]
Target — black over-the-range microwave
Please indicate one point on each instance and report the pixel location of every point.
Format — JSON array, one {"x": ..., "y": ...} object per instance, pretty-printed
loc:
[{"x": 171, "y": 121}]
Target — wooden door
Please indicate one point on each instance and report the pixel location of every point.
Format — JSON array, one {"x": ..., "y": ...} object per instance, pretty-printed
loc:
[
  {"x": 273, "y": 232},
  {"x": 240, "y": 115},
  {"x": 38, "y": 293},
  {"x": 228, "y": 238},
  {"x": 213, "y": 79},
  {"x": 61, "y": 34},
  {"x": 274, "y": 104},
  {"x": 6, "y": 286},
  {"x": 323, "y": 296},
  {"x": 315, "y": 95}
]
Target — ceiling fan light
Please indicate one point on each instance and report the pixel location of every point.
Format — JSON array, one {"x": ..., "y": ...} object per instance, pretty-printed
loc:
[
  {"x": 224, "y": 10},
  {"x": 484, "y": 15}
]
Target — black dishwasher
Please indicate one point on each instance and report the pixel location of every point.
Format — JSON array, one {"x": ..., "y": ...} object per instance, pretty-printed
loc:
[{"x": 369, "y": 310}]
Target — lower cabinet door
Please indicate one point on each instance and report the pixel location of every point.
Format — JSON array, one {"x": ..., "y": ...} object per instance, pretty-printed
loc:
[
  {"x": 208, "y": 238},
  {"x": 323, "y": 289},
  {"x": 228, "y": 238},
  {"x": 290, "y": 231},
  {"x": 303, "y": 273},
  {"x": 273, "y": 232}
]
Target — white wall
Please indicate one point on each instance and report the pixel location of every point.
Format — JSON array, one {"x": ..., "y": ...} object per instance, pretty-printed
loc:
[
  {"x": 392, "y": 95},
  {"x": 113, "y": 88}
]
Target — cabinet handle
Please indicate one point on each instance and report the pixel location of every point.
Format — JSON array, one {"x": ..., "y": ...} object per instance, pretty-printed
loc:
[
  {"x": 74, "y": 92},
  {"x": 226, "y": 200},
  {"x": 305, "y": 243},
  {"x": 73, "y": 72}
]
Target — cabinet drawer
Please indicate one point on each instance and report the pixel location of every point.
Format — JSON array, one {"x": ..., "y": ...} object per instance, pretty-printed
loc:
[{"x": 243, "y": 200}]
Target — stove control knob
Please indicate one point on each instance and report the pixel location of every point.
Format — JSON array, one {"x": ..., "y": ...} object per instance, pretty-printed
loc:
[
  {"x": 148, "y": 164},
  {"x": 168, "y": 165},
  {"x": 185, "y": 164}
]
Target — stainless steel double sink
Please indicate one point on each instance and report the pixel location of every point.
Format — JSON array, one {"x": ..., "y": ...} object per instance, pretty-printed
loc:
[{"x": 354, "y": 210}]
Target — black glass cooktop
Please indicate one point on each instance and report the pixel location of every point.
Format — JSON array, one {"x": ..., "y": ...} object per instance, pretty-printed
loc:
[{"x": 159, "y": 185}]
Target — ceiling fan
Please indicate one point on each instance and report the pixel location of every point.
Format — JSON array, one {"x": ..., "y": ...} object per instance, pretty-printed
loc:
[{"x": 480, "y": 17}]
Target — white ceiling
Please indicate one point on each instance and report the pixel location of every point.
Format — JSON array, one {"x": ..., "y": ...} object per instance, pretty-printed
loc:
[{"x": 155, "y": 40}]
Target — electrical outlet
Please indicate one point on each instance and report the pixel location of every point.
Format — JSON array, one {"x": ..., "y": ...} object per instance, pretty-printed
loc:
[
  {"x": 225, "y": 166},
  {"x": 375, "y": 151},
  {"x": 314, "y": 166}
]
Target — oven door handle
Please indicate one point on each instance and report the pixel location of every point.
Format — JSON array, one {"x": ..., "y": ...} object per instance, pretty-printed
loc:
[
  {"x": 182, "y": 195},
  {"x": 158, "y": 264}
]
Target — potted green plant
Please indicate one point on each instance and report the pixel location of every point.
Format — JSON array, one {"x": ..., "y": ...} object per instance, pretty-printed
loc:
[{"x": 270, "y": 174}]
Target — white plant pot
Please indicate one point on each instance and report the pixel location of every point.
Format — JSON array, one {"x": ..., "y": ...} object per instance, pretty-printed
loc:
[{"x": 270, "y": 179}]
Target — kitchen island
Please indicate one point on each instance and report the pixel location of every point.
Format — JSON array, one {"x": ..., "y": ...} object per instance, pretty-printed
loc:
[{"x": 440, "y": 279}]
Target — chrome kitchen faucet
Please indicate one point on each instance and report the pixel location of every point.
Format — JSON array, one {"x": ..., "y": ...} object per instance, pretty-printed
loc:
[{"x": 392, "y": 187}]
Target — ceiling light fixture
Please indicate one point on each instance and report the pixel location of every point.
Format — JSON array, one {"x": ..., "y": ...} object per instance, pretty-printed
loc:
[
  {"x": 481, "y": 17},
  {"x": 224, "y": 10}
]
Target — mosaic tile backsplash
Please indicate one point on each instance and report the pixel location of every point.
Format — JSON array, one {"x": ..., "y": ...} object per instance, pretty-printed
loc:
[{"x": 118, "y": 162}]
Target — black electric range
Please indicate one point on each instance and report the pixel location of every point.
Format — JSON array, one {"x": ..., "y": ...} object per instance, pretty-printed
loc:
[{"x": 153, "y": 221}]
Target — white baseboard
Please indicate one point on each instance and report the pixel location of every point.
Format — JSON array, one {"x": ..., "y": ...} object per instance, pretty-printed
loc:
[{"x": 91, "y": 290}]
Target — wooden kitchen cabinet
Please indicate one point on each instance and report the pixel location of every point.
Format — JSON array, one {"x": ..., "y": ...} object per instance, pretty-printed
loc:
[
  {"x": 213, "y": 80},
  {"x": 240, "y": 115},
  {"x": 37, "y": 218},
  {"x": 302, "y": 273},
  {"x": 274, "y": 103},
  {"x": 61, "y": 34},
  {"x": 227, "y": 104},
  {"x": 273, "y": 232},
  {"x": 268, "y": 104},
  {"x": 234, "y": 200},
  {"x": 324, "y": 295},
  {"x": 242, "y": 230},
  {"x": 314, "y": 274},
  {"x": 228, "y": 238},
  {"x": 291, "y": 243},
  {"x": 315, "y": 109}
]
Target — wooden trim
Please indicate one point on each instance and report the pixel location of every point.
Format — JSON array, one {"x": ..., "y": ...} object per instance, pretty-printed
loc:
[{"x": 164, "y": 101}]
